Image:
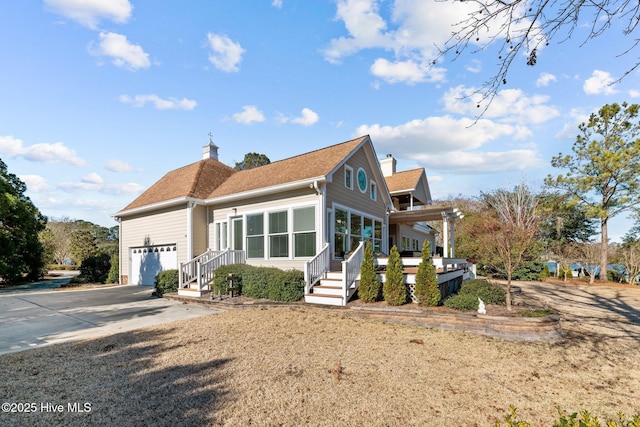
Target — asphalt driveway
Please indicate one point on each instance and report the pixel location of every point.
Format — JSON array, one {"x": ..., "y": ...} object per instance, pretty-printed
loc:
[{"x": 32, "y": 319}]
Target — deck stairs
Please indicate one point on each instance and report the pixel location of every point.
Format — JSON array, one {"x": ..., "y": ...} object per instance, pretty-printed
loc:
[{"x": 330, "y": 291}]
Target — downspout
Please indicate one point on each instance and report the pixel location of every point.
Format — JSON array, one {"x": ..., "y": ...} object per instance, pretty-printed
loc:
[
  {"x": 119, "y": 220},
  {"x": 323, "y": 215}
]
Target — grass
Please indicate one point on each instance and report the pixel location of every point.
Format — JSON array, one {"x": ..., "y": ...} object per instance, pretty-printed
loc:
[
  {"x": 536, "y": 312},
  {"x": 305, "y": 366}
]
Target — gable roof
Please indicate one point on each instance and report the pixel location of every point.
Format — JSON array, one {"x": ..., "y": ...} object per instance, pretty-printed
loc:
[
  {"x": 404, "y": 181},
  {"x": 196, "y": 180},
  {"x": 210, "y": 179},
  {"x": 315, "y": 164}
]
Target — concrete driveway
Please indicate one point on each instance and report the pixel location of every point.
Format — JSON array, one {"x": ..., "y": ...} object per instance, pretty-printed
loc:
[{"x": 32, "y": 319}]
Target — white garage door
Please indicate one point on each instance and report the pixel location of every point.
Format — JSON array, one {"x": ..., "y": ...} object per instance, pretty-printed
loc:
[{"x": 148, "y": 261}]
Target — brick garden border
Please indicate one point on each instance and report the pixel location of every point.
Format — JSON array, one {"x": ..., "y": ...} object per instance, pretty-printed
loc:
[{"x": 512, "y": 328}]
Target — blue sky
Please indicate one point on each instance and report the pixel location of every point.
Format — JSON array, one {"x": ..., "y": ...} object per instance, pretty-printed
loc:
[{"x": 100, "y": 98}]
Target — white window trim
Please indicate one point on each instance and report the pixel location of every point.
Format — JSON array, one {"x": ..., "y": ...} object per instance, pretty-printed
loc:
[
  {"x": 373, "y": 190},
  {"x": 349, "y": 183},
  {"x": 366, "y": 187}
]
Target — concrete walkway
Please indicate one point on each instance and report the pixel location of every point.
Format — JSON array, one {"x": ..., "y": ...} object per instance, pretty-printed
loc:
[
  {"x": 32, "y": 319},
  {"x": 591, "y": 311}
]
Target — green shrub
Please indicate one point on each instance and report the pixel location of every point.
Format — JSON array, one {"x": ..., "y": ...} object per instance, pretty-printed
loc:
[
  {"x": 370, "y": 286},
  {"x": 545, "y": 273},
  {"x": 114, "y": 271},
  {"x": 95, "y": 269},
  {"x": 394, "y": 289},
  {"x": 427, "y": 290},
  {"x": 167, "y": 281},
  {"x": 261, "y": 282},
  {"x": 581, "y": 419},
  {"x": 462, "y": 302},
  {"x": 537, "y": 312},
  {"x": 480, "y": 288}
]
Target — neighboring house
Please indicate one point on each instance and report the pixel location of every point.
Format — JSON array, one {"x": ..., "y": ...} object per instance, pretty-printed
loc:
[{"x": 307, "y": 212}]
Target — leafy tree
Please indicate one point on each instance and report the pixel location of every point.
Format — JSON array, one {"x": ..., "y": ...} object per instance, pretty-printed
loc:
[
  {"x": 252, "y": 160},
  {"x": 508, "y": 229},
  {"x": 21, "y": 252},
  {"x": 95, "y": 268},
  {"x": 114, "y": 270},
  {"x": 520, "y": 29},
  {"x": 369, "y": 289},
  {"x": 82, "y": 245},
  {"x": 603, "y": 171},
  {"x": 427, "y": 290},
  {"x": 394, "y": 288}
]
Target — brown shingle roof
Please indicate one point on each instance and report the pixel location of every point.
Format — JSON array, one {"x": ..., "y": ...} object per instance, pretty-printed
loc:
[
  {"x": 407, "y": 180},
  {"x": 316, "y": 163},
  {"x": 196, "y": 180}
]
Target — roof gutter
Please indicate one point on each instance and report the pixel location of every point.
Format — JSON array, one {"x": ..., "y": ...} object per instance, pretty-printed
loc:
[
  {"x": 154, "y": 206},
  {"x": 307, "y": 183}
]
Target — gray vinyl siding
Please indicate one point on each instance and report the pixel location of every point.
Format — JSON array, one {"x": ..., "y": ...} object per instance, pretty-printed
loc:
[
  {"x": 199, "y": 230},
  {"x": 338, "y": 193}
]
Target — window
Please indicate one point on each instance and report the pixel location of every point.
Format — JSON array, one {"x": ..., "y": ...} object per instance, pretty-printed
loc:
[
  {"x": 278, "y": 236},
  {"x": 340, "y": 244},
  {"x": 221, "y": 236},
  {"x": 373, "y": 191},
  {"x": 304, "y": 235},
  {"x": 356, "y": 230},
  {"x": 255, "y": 236},
  {"x": 348, "y": 177}
]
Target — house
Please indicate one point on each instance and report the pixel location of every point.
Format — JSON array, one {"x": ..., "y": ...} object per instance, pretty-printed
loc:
[{"x": 311, "y": 212}]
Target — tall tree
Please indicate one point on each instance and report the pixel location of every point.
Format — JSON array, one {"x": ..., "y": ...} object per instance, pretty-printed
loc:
[
  {"x": 518, "y": 30},
  {"x": 82, "y": 245},
  {"x": 508, "y": 228},
  {"x": 426, "y": 286},
  {"x": 603, "y": 173},
  {"x": 21, "y": 252},
  {"x": 252, "y": 160}
]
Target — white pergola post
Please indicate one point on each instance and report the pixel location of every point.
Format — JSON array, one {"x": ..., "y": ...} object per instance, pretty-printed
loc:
[
  {"x": 452, "y": 237},
  {"x": 445, "y": 235}
]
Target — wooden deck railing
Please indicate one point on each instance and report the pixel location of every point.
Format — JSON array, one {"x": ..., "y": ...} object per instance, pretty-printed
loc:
[
  {"x": 315, "y": 269},
  {"x": 351, "y": 271}
]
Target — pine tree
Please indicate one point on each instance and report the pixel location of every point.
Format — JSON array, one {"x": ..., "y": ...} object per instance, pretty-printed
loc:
[
  {"x": 394, "y": 289},
  {"x": 369, "y": 289},
  {"x": 427, "y": 290}
]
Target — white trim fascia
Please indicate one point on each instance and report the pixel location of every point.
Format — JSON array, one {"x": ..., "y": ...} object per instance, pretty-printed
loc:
[
  {"x": 158, "y": 205},
  {"x": 306, "y": 183}
]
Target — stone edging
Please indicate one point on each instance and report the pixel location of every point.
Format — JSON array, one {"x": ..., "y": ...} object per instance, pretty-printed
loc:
[{"x": 509, "y": 328}]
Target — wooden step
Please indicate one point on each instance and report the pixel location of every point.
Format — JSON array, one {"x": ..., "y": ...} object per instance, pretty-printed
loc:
[{"x": 324, "y": 299}]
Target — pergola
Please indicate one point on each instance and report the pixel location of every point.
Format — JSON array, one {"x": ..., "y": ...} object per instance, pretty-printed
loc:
[{"x": 448, "y": 215}]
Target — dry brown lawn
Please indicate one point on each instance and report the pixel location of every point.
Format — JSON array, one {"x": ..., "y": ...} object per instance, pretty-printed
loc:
[{"x": 301, "y": 365}]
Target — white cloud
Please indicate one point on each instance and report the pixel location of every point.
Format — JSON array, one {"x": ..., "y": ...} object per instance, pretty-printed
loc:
[
  {"x": 44, "y": 152},
  {"x": 634, "y": 93},
  {"x": 277, "y": 3},
  {"x": 121, "y": 166},
  {"x": 35, "y": 183},
  {"x": 90, "y": 12},
  {"x": 92, "y": 178},
  {"x": 226, "y": 54},
  {"x": 474, "y": 66},
  {"x": 545, "y": 79},
  {"x": 600, "y": 83},
  {"x": 307, "y": 117},
  {"x": 123, "y": 53},
  {"x": 250, "y": 114},
  {"x": 435, "y": 135},
  {"x": 446, "y": 144},
  {"x": 409, "y": 72},
  {"x": 159, "y": 103},
  {"x": 473, "y": 163},
  {"x": 509, "y": 105},
  {"x": 365, "y": 27},
  {"x": 100, "y": 187}
]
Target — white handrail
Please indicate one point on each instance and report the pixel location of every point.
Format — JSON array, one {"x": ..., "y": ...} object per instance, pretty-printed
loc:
[
  {"x": 351, "y": 270},
  {"x": 206, "y": 269},
  {"x": 189, "y": 270},
  {"x": 315, "y": 269}
]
